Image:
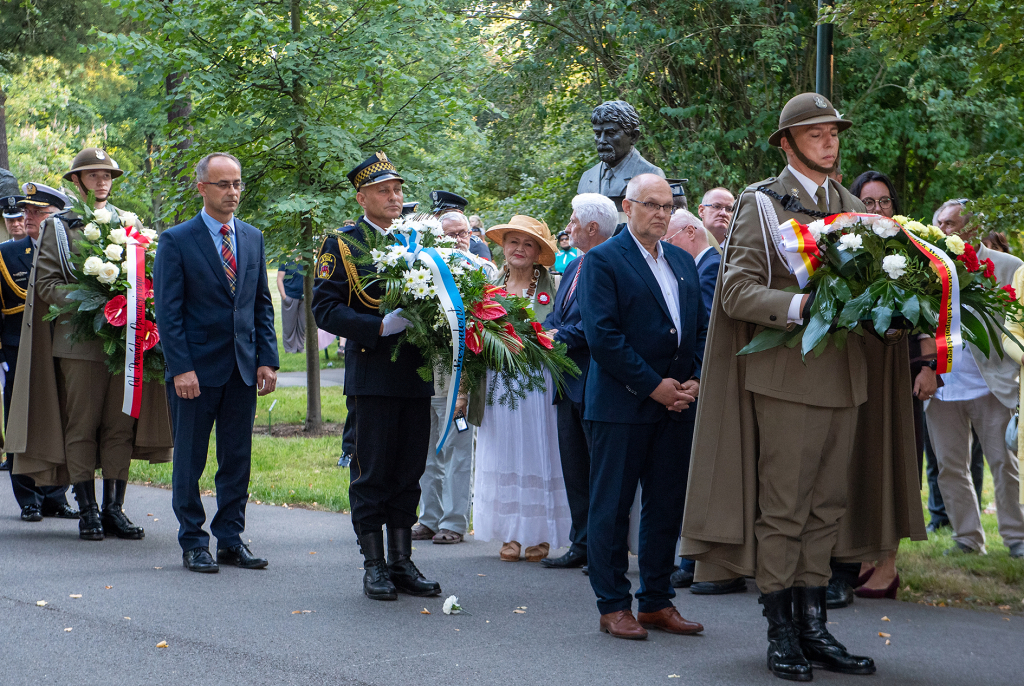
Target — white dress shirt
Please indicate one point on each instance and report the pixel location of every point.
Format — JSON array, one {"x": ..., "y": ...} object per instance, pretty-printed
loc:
[
  {"x": 966, "y": 383},
  {"x": 666, "y": 279},
  {"x": 702, "y": 253}
]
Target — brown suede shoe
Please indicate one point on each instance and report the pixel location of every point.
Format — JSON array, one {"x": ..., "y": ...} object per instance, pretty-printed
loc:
[
  {"x": 669, "y": 620},
  {"x": 622, "y": 624}
]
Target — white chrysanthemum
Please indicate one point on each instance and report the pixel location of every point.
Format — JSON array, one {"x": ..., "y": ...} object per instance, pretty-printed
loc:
[
  {"x": 844, "y": 221},
  {"x": 113, "y": 252},
  {"x": 885, "y": 227},
  {"x": 119, "y": 236},
  {"x": 431, "y": 291},
  {"x": 416, "y": 277},
  {"x": 451, "y": 606},
  {"x": 894, "y": 265},
  {"x": 92, "y": 265},
  {"x": 130, "y": 219},
  {"x": 91, "y": 232},
  {"x": 421, "y": 291},
  {"x": 816, "y": 228},
  {"x": 108, "y": 273},
  {"x": 102, "y": 215},
  {"x": 850, "y": 242},
  {"x": 955, "y": 244}
]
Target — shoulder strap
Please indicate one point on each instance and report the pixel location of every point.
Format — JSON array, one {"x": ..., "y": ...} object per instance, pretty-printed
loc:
[
  {"x": 355, "y": 284},
  {"x": 791, "y": 204},
  {"x": 63, "y": 248}
]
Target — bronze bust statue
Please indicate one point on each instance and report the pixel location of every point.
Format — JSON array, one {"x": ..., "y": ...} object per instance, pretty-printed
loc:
[{"x": 616, "y": 130}]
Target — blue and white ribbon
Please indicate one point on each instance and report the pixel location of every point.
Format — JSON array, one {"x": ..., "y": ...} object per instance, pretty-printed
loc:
[{"x": 451, "y": 303}]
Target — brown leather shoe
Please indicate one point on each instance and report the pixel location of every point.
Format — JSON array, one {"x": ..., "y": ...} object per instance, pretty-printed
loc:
[
  {"x": 669, "y": 620},
  {"x": 622, "y": 624}
]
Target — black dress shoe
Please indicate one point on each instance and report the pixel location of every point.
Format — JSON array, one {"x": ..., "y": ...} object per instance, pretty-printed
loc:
[
  {"x": 586, "y": 570},
  {"x": 839, "y": 594},
  {"x": 199, "y": 560},
  {"x": 240, "y": 556},
  {"x": 681, "y": 578},
  {"x": 572, "y": 559},
  {"x": 31, "y": 513},
  {"x": 719, "y": 587},
  {"x": 62, "y": 511}
]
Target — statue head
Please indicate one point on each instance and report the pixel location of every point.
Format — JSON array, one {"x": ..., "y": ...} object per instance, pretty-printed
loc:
[{"x": 616, "y": 130}]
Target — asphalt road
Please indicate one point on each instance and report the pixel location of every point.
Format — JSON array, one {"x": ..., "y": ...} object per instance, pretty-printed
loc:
[{"x": 241, "y": 627}]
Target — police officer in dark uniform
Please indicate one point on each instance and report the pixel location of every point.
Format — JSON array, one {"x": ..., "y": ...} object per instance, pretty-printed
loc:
[
  {"x": 16, "y": 258},
  {"x": 392, "y": 401},
  {"x": 446, "y": 201}
]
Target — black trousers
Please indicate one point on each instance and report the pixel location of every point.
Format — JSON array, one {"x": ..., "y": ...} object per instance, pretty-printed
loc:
[
  {"x": 25, "y": 490},
  {"x": 657, "y": 456},
  {"x": 391, "y": 453},
  {"x": 574, "y": 451},
  {"x": 348, "y": 436},
  {"x": 233, "y": 408}
]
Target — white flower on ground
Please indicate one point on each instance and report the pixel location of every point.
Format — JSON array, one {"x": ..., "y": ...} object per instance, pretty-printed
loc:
[
  {"x": 955, "y": 244},
  {"x": 91, "y": 232},
  {"x": 451, "y": 606},
  {"x": 119, "y": 236},
  {"x": 850, "y": 242},
  {"x": 92, "y": 266},
  {"x": 102, "y": 215},
  {"x": 816, "y": 228},
  {"x": 113, "y": 252},
  {"x": 108, "y": 273},
  {"x": 894, "y": 265},
  {"x": 885, "y": 227}
]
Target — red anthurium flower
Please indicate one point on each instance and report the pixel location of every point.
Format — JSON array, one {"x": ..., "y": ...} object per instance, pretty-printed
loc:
[
  {"x": 990, "y": 269},
  {"x": 116, "y": 311},
  {"x": 1009, "y": 289},
  {"x": 491, "y": 291},
  {"x": 488, "y": 310},
  {"x": 543, "y": 338},
  {"x": 474, "y": 338},
  {"x": 149, "y": 289},
  {"x": 150, "y": 336},
  {"x": 511, "y": 331}
]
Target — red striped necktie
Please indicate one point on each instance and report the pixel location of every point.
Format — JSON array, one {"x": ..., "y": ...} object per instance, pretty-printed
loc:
[
  {"x": 227, "y": 256},
  {"x": 576, "y": 277}
]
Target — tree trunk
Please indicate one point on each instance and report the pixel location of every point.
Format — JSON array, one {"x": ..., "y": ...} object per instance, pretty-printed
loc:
[
  {"x": 4, "y": 161},
  {"x": 180, "y": 108}
]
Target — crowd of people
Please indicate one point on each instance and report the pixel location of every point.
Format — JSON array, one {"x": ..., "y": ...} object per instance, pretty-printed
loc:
[{"x": 712, "y": 468}]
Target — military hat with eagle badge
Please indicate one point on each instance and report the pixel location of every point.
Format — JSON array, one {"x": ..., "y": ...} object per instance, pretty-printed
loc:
[
  {"x": 374, "y": 169},
  {"x": 804, "y": 110},
  {"x": 446, "y": 201},
  {"x": 43, "y": 196}
]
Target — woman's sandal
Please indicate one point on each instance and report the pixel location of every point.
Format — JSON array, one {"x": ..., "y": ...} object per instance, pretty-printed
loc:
[
  {"x": 536, "y": 553},
  {"x": 447, "y": 536},
  {"x": 510, "y": 551}
]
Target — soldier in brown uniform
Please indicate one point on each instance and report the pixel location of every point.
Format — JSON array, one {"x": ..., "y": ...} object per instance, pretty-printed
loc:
[{"x": 95, "y": 432}]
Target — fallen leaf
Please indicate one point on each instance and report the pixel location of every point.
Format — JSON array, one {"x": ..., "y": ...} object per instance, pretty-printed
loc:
[
  {"x": 161, "y": 644},
  {"x": 673, "y": 676},
  {"x": 297, "y": 612},
  {"x": 127, "y": 617},
  {"x": 312, "y": 552},
  {"x": 522, "y": 607},
  {"x": 424, "y": 611},
  {"x": 149, "y": 514},
  {"x": 75, "y": 595},
  {"x": 888, "y": 642},
  {"x": 519, "y": 612},
  {"x": 41, "y": 603},
  {"x": 67, "y": 628},
  {"x": 886, "y": 619},
  {"x": 456, "y": 629},
  {"x": 1004, "y": 607},
  {"x": 883, "y": 634},
  {"x": 1006, "y": 619},
  {"x": 157, "y": 567},
  {"x": 488, "y": 621},
  {"x": 156, "y": 519},
  {"x": 481, "y": 575},
  {"x": 108, "y": 587}
]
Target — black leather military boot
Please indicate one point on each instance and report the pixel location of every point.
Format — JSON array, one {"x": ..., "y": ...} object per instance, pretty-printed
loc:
[
  {"x": 405, "y": 575},
  {"x": 785, "y": 659},
  {"x": 377, "y": 583},
  {"x": 115, "y": 522},
  {"x": 820, "y": 646},
  {"x": 90, "y": 528}
]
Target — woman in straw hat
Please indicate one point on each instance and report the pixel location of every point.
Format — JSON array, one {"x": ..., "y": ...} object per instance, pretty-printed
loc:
[{"x": 519, "y": 493}]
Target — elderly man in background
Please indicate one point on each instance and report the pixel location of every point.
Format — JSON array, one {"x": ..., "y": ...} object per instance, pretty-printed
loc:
[
  {"x": 687, "y": 232},
  {"x": 593, "y": 221},
  {"x": 445, "y": 485},
  {"x": 715, "y": 210},
  {"x": 982, "y": 393}
]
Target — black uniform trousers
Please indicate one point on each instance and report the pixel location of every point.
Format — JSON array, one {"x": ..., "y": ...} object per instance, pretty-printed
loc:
[
  {"x": 348, "y": 436},
  {"x": 657, "y": 456},
  {"x": 574, "y": 451},
  {"x": 392, "y": 437},
  {"x": 233, "y": 408},
  {"x": 25, "y": 490}
]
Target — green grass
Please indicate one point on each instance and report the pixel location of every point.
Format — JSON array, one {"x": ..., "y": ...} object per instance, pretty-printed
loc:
[
  {"x": 295, "y": 362},
  {"x": 291, "y": 405}
]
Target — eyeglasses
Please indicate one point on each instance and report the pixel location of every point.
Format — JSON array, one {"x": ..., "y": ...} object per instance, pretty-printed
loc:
[
  {"x": 654, "y": 207},
  {"x": 720, "y": 208},
  {"x": 460, "y": 234},
  {"x": 225, "y": 185},
  {"x": 884, "y": 202}
]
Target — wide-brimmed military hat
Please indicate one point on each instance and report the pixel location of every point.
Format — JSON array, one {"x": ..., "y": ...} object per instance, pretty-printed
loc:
[
  {"x": 531, "y": 227},
  {"x": 374, "y": 169},
  {"x": 38, "y": 195},
  {"x": 94, "y": 158},
  {"x": 804, "y": 110},
  {"x": 9, "y": 205},
  {"x": 446, "y": 201}
]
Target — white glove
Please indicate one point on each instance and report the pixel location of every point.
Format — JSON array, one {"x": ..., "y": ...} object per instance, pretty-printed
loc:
[
  {"x": 393, "y": 323},
  {"x": 3, "y": 375}
]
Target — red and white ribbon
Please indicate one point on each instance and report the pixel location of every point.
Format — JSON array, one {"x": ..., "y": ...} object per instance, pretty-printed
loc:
[{"x": 135, "y": 263}]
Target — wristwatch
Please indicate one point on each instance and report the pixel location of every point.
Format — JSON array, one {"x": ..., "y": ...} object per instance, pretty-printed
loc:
[{"x": 932, "y": 364}]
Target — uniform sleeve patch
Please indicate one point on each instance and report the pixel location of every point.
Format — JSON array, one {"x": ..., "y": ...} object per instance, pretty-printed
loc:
[{"x": 325, "y": 265}]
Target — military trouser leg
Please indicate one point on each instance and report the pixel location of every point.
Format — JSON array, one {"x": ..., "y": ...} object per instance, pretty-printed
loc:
[
  {"x": 98, "y": 434},
  {"x": 802, "y": 490}
]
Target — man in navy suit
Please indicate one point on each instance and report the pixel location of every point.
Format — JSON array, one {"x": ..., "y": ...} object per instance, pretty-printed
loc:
[
  {"x": 593, "y": 221},
  {"x": 646, "y": 325},
  {"x": 216, "y": 322},
  {"x": 687, "y": 232}
]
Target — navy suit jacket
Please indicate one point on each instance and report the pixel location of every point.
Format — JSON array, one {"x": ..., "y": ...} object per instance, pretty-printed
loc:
[
  {"x": 203, "y": 326},
  {"x": 707, "y": 271},
  {"x": 632, "y": 338},
  {"x": 16, "y": 267},
  {"x": 565, "y": 316}
]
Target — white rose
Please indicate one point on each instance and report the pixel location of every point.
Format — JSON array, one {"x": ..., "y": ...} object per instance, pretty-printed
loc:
[
  {"x": 885, "y": 227},
  {"x": 894, "y": 265},
  {"x": 108, "y": 273},
  {"x": 102, "y": 215},
  {"x": 91, "y": 232},
  {"x": 451, "y": 606},
  {"x": 113, "y": 252},
  {"x": 130, "y": 219},
  {"x": 955, "y": 244},
  {"x": 92, "y": 266},
  {"x": 119, "y": 236},
  {"x": 150, "y": 234},
  {"x": 850, "y": 242}
]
